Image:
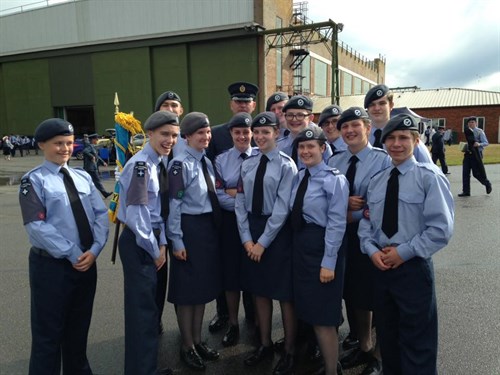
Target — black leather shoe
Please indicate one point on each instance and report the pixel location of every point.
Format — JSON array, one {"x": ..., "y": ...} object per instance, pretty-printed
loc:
[
  {"x": 279, "y": 345},
  {"x": 285, "y": 365},
  {"x": 488, "y": 188},
  {"x": 231, "y": 337},
  {"x": 165, "y": 371},
  {"x": 374, "y": 367},
  {"x": 464, "y": 195},
  {"x": 355, "y": 358},
  {"x": 107, "y": 194},
  {"x": 206, "y": 352},
  {"x": 261, "y": 354},
  {"x": 217, "y": 323},
  {"x": 192, "y": 359},
  {"x": 314, "y": 353},
  {"x": 350, "y": 342}
]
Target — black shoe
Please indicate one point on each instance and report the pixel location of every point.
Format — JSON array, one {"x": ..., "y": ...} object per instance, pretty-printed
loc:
[
  {"x": 279, "y": 345},
  {"x": 464, "y": 195},
  {"x": 448, "y": 173},
  {"x": 314, "y": 353},
  {"x": 206, "y": 352},
  {"x": 261, "y": 354},
  {"x": 192, "y": 359},
  {"x": 165, "y": 371},
  {"x": 350, "y": 342},
  {"x": 231, "y": 337},
  {"x": 107, "y": 194},
  {"x": 355, "y": 358},
  {"x": 285, "y": 365},
  {"x": 217, "y": 323},
  {"x": 488, "y": 188},
  {"x": 374, "y": 367}
]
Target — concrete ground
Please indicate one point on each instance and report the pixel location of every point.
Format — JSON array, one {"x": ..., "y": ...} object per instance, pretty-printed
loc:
[{"x": 467, "y": 282}]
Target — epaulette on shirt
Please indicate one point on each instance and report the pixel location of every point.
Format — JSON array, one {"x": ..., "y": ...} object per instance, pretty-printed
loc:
[
  {"x": 334, "y": 171},
  {"x": 286, "y": 156},
  {"x": 175, "y": 180},
  {"x": 376, "y": 149}
]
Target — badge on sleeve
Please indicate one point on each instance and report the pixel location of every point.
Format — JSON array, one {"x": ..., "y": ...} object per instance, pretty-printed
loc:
[
  {"x": 140, "y": 169},
  {"x": 32, "y": 208},
  {"x": 175, "y": 180}
]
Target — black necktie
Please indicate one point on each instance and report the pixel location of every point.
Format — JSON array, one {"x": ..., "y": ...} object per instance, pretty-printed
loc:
[
  {"x": 163, "y": 179},
  {"x": 243, "y": 155},
  {"x": 390, "y": 219},
  {"x": 332, "y": 146},
  {"x": 81, "y": 219},
  {"x": 258, "y": 187},
  {"x": 351, "y": 173},
  {"x": 211, "y": 193},
  {"x": 296, "y": 219},
  {"x": 377, "y": 134}
]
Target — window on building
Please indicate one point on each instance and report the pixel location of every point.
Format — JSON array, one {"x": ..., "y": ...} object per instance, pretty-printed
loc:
[
  {"x": 302, "y": 77},
  {"x": 320, "y": 77},
  {"x": 480, "y": 123},
  {"x": 279, "y": 57},
  {"x": 347, "y": 84},
  {"x": 436, "y": 122},
  {"x": 357, "y": 86}
]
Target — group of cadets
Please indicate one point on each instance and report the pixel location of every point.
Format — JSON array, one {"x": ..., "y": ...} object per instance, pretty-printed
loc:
[{"x": 272, "y": 207}]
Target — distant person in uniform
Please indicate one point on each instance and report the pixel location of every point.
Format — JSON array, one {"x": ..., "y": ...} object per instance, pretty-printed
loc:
[
  {"x": 328, "y": 122},
  {"x": 91, "y": 163},
  {"x": 67, "y": 225},
  {"x": 473, "y": 157},
  {"x": 275, "y": 103},
  {"x": 143, "y": 209},
  {"x": 411, "y": 216},
  {"x": 379, "y": 101},
  {"x": 438, "y": 149},
  {"x": 243, "y": 96}
]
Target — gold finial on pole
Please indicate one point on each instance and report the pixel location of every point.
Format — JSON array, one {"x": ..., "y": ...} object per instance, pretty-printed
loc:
[{"x": 116, "y": 103}]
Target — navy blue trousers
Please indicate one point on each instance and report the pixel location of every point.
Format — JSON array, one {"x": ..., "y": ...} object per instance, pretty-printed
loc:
[
  {"x": 406, "y": 314},
  {"x": 61, "y": 309},
  {"x": 141, "y": 311}
]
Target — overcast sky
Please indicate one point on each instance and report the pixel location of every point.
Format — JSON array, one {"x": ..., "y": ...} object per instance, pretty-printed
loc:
[{"x": 426, "y": 43}]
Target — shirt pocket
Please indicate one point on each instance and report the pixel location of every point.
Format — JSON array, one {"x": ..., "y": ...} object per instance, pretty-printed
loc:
[{"x": 412, "y": 198}]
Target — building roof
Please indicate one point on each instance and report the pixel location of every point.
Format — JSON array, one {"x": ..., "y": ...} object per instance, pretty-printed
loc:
[{"x": 432, "y": 98}]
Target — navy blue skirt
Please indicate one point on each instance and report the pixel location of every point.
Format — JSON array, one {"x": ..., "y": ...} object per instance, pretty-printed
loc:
[
  {"x": 272, "y": 276},
  {"x": 359, "y": 273},
  {"x": 316, "y": 303},
  {"x": 198, "y": 279},
  {"x": 231, "y": 252}
]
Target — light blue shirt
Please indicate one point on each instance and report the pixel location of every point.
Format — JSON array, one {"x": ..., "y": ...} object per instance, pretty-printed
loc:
[
  {"x": 140, "y": 205},
  {"x": 325, "y": 204},
  {"x": 227, "y": 172},
  {"x": 278, "y": 180},
  {"x": 480, "y": 138},
  {"x": 425, "y": 211},
  {"x": 371, "y": 161},
  {"x": 188, "y": 191},
  {"x": 48, "y": 217}
]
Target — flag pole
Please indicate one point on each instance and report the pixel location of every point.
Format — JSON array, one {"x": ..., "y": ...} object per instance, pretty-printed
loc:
[{"x": 116, "y": 102}]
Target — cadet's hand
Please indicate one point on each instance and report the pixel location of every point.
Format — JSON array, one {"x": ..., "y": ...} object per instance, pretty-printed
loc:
[
  {"x": 326, "y": 275},
  {"x": 248, "y": 246},
  {"x": 256, "y": 252},
  {"x": 180, "y": 255},
  {"x": 85, "y": 261},
  {"x": 231, "y": 192},
  {"x": 356, "y": 202},
  {"x": 390, "y": 257},
  {"x": 377, "y": 261},
  {"x": 160, "y": 261}
]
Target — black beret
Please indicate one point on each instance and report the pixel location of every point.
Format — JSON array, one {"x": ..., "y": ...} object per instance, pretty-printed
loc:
[
  {"x": 167, "y": 95},
  {"x": 309, "y": 134},
  {"x": 330, "y": 111},
  {"x": 399, "y": 122},
  {"x": 240, "y": 120},
  {"x": 265, "y": 119},
  {"x": 299, "y": 102},
  {"x": 243, "y": 91},
  {"x": 472, "y": 118},
  {"x": 194, "y": 121},
  {"x": 160, "y": 118},
  {"x": 94, "y": 135},
  {"x": 275, "y": 98},
  {"x": 353, "y": 113},
  {"x": 376, "y": 92},
  {"x": 51, "y": 128}
]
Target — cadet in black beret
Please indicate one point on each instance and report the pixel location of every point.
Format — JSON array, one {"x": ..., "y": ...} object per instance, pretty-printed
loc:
[
  {"x": 376, "y": 92},
  {"x": 310, "y": 134},
  {"x": 471, "y": 118},
  {"x": 299, "y": 102},
  {"x": 194, "y": 121},
  {"x": 276, "y": 98},
  {"x": 328, "y": 122},
  {"x": 52, "y": 127},
  {"x": 240, "y": 120},
  {"x": 399, "y": 122},
  {"x": 275, "y": 103},
  {"x": 243, "y": 91},
  {"x": 265, "y": 119},
  {"x": 353, "y": 113},
  {"x": 330, "y": 111},
  {"x": 160, "y": 118},
  {"x": 169, "y": 101},
  {"x": 93, "y": 136}
]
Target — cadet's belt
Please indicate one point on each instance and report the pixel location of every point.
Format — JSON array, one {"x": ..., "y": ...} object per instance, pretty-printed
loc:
[
  {"x": 156, "y": 231},
  {"x": 41, "y": 252}
]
